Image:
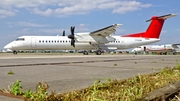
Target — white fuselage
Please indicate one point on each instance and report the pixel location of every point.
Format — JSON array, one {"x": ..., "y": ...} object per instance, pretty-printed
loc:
[
  {"x": 154, "y": 48},
  {"x": 63, "y": 43}
]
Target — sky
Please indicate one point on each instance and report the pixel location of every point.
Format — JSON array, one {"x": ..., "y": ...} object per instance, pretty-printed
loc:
[{"x": 51, "y": 17}]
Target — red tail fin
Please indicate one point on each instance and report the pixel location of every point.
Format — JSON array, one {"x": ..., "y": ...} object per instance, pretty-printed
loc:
[{"x": 154, "y": 28}]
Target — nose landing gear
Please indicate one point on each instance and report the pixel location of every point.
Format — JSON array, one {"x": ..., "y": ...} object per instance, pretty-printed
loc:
[{"x": 14, "y": 52}]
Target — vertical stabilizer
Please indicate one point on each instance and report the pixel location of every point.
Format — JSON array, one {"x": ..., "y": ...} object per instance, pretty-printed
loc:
[{"x": 154, "y": 28}]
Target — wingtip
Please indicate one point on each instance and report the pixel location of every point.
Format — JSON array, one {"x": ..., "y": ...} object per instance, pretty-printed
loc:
[{"x": 117, "y": 25}]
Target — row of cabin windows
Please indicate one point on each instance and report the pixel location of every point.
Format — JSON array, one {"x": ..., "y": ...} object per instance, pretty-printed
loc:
[{"x": 63, "y": 41}]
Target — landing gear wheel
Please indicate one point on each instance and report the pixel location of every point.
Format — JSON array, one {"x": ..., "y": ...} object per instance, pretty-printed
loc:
[
  {"x": 14, "y": 52},
  {"x": 85, "y": 53},
  {"x": 98, "y": 52}
]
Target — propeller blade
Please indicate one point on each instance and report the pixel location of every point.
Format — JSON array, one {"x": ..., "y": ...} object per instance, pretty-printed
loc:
[
  {"x": 72, "y": 30},
  {"x": 63, "y": 33},
  {"x": 72, "y": 42},
  {"x": 71, "y": 36}
]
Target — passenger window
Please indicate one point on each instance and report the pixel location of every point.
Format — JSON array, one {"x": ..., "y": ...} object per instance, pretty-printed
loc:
[{"x": 39, "y": 41}]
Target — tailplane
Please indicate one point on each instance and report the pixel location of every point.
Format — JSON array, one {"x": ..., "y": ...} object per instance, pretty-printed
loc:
[{"x": 154, "y": 28}]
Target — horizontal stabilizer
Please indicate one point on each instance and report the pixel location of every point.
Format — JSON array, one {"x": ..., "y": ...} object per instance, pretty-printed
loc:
[{"x": 162, "y": 17}]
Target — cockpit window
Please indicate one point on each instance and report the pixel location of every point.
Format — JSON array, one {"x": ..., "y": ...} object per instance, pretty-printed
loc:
[{"x": 20, "y": 39}]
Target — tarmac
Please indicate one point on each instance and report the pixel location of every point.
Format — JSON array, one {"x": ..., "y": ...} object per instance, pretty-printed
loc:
[{"x": 65, "y": 73}]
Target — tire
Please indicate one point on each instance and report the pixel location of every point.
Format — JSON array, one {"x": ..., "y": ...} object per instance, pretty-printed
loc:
[
  {"x": 98, "y": 52},
  {"x": 85, "y": 53},
  {"x": 15, "y": 52}
]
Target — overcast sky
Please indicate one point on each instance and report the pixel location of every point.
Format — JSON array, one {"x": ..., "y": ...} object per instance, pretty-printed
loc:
[{"x": 51, "y": 17}]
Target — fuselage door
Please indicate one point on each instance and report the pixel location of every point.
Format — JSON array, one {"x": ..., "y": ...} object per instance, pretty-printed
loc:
[
  {"x": 122, "y": 43},
  {"x": 33, "y": 42}
]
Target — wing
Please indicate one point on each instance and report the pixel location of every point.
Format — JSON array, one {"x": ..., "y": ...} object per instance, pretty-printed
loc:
[
  {"x": 175, "y": 45},
  {"x": 105, "y": 31}
]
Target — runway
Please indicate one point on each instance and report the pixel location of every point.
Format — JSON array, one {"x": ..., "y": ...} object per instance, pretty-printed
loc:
[{"x": 67, "y": 73}]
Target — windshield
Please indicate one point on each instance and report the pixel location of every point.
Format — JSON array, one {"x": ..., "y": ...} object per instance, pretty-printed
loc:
[{"x": 20, "y": 39}]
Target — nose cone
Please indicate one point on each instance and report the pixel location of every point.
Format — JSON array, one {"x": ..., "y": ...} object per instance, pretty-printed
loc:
[{"x": 8, "y": 46}]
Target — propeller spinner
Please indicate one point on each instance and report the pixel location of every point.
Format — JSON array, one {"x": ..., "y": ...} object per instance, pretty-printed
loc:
[{"x": 71, "y": 36}]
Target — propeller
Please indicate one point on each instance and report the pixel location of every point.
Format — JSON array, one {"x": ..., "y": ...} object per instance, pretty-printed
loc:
[
  {"x": 71, "y": 36},
  {"x": 63, "y": 33}
]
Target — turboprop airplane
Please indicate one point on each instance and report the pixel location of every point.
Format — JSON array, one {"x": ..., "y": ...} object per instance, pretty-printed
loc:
[
  {"x": 160, "y": 49},
  {"x": 98, "y": 40}
]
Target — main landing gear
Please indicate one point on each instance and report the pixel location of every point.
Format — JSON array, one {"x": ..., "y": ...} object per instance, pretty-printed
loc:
[
  {"x": 85, "y": 52},
  {"x": 98, "y": 52}
]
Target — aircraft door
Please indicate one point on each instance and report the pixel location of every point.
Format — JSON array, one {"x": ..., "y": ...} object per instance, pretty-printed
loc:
[
  {"x": 122, "y": 43},
  {"x": 144, "y": 48},
  {"x": 33, "y": 42}
]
